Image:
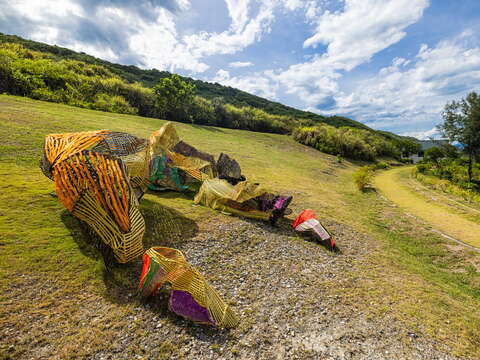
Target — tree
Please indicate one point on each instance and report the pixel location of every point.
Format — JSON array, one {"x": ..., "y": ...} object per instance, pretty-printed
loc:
[
  {"x": 174, "y": 97},
  {"x": 450, "y": 151},
  {"x": 462, "y": 124},
  {"x": 409, "y": 147},
  {"x": 434, "y": 153}
]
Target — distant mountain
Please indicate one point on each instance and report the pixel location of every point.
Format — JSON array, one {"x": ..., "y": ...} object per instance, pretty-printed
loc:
[{"x": 205, "y": 89}]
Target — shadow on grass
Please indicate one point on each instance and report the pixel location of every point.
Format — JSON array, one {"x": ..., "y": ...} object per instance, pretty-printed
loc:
[
  {"x": 170, "y": 194},
  {"x": 164, "y": 227},
  {"x": 208, "y": 128}
]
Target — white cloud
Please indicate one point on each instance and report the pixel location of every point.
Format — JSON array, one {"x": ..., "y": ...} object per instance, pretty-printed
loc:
[
  {"x": 255, "y": 83},
  {"x": 352, "y": 36},
  {"x": 241, "y": 34},
  {"x": 238, "y": 11},
  {"x": 414, "y": 93},
  {"x": 145, "y": 34},
  {"x": 424, "y": 135},
  {"x": 158, "y": 46},
  {"x": 240, "y": 64}
]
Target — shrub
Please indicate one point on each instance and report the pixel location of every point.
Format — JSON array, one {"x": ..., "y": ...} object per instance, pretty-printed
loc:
[
  {"x": 346, "y": 142},
  {"x": 381, "y": 165},
  {"x": 362, "y": 177},
  {"x": 115, "y": 104}
]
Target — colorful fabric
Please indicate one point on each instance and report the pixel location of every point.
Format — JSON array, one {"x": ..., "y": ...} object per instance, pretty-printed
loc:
[
  {"x": 192, "y": 297},
  {"x": 164, "y": 176},
  {"x": 307, "y": 222},
  {"x": 197, "y": 165},
  {"x": 184, "y": 304}
]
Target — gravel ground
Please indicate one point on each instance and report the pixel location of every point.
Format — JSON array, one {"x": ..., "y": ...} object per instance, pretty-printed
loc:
[{"x": 289, "y": 293}]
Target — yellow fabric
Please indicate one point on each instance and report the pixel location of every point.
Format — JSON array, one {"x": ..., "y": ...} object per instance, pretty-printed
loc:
[
  {"x": 125, "y": 245},
  {"x": 138, "y": 165},
  {"x": 182, "y": 276},
  {"x": 219, "y": 195}
]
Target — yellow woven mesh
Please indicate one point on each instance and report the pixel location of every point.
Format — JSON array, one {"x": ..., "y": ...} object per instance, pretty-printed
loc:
[
  {"x": 165, "y": 139},
  {"x": 126, "y": 245},
  {"x": 95, "y": 188},
  {"x": 138, "y": 168},
  {"x": 220, "y": 195},
  {"x": 182, "y": 276}
]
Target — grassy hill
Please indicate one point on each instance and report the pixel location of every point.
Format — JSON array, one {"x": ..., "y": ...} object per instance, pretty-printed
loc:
[
  {"x": 207, "y": 90},
  {"x": 395, "y": 287}
]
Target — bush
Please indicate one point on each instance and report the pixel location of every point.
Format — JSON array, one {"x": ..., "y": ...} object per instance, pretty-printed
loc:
[
  {"x": 346, "y": 142},
  {"x": 44, "y": 77},
  {"x": 422, "y": 168},
  {"x": 405, "y": 161},
  {"x": 115, "y": 104},
  {"x": 381, "y": 165},
  {"x": 363, "y": 177}
]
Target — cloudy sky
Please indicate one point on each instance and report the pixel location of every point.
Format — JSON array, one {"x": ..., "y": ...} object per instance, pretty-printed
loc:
[{"x": 391, "y": 64}]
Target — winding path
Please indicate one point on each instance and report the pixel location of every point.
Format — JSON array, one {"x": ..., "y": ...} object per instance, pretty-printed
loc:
[{"x": 455, "y": 226}]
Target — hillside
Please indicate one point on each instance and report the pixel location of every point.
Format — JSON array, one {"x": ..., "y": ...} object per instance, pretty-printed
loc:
[
  {"x": 207, "y": 90},
  {"x": 396, "y": 290}
]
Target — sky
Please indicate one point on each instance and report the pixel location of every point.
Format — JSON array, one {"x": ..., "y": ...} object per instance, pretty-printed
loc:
[{"x": 390, "y": 64}]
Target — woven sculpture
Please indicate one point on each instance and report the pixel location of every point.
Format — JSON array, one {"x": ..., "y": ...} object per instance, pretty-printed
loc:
[
  {"x": 191, "y": 296},
  {"x": 306, "y": 222},
  {"x": 177, "y": 165},
  {"x": 98, "y": 177},
  {"x": 246, "y": 199}
]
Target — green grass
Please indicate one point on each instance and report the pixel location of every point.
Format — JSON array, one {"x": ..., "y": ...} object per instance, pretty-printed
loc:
[{"x": 411, "y": 274}]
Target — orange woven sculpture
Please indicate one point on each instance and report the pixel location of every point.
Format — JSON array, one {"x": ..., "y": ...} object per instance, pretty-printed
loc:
[{"x": 98, "y": 177}]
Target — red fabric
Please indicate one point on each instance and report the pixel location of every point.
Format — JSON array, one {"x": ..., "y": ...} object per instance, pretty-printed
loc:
[
  {"x": 303, "y": 216},
  {"x": 145, "y": 267}
]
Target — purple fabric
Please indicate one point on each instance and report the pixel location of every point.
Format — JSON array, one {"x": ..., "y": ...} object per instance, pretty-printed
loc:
[
  {"x": 280, "y": 203},
  {"x": 182, "y": 303}
]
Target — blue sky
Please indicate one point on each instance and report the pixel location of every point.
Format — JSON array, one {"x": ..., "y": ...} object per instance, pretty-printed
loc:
[{"x": 391, "y": 64}]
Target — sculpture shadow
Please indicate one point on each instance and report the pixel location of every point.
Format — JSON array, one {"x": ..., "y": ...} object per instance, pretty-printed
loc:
[
  {"x": 164, "y": 226},
  {"x": 171, "y": 194}
]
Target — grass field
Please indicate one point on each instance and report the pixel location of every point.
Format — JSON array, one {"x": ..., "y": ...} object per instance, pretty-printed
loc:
[{"x": 396, "y": 287}]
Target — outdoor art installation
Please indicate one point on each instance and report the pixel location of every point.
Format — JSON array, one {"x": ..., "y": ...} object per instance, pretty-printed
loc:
[
  {"x": 307, "y": 223},
  {"x": 190, "y": 296},
  {"x": 219, "y": 184},
  {"x": 101, "y": 175}
]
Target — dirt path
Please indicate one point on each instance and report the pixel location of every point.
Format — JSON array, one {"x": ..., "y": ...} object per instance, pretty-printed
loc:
[{"x": 440, "y": 217}]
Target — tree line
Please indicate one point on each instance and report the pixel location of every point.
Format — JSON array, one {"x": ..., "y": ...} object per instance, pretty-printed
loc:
[
  {"x": 353, "y": 143},
  {"x": 44, "y": 76}
]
